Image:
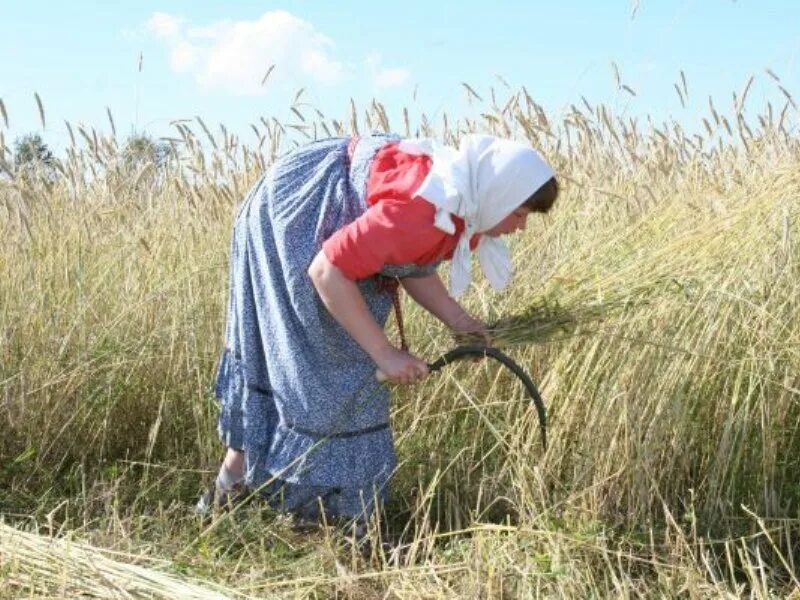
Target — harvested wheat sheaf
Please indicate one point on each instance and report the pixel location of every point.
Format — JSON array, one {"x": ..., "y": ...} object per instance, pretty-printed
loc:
[{"x": 68, "y": 569}]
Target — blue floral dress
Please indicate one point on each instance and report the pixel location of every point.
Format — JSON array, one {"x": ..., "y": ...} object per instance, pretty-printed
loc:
[{"x": 298, "y": 395}]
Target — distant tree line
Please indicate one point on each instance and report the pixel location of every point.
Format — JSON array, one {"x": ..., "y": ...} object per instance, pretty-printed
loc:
[
  {"x": 141, "y": 149},
  {"x": 31, "y": 153}
]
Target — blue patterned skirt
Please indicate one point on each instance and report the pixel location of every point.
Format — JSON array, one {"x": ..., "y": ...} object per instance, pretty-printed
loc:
[{"x": 297, "y": 393}]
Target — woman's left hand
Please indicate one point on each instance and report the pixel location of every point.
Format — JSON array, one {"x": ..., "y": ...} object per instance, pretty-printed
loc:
[{"x": 471, "y": 330}]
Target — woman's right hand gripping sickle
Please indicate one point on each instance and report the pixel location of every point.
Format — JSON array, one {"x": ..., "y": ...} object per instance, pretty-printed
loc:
[{"x": 397, "y": 366}]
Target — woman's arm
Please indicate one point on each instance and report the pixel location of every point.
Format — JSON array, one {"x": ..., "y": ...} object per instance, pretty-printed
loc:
[
  {"x": 344, "y": 301},
  {"x": 430, "y": 293}
]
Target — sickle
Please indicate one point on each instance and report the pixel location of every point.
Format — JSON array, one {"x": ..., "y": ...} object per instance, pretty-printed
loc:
[{"x": 462, "y": 352}]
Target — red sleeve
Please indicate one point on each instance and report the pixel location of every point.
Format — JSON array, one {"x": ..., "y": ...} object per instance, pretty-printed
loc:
[{"x": 391, "y": 232}]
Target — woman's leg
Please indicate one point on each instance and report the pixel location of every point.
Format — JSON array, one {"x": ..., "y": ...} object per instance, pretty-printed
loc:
[
  {"x": 234, "y": 461},
  {"x": 231, "y": 472},
  {"x": 227, "y": 485}
]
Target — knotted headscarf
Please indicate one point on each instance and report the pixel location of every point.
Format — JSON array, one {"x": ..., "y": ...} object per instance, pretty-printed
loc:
[{"x": 482, "y": 182}]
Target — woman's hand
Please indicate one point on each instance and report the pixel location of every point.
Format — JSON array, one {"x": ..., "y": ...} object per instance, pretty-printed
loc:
[
  {"x": 467, "y": 329},
  {"x": 401, "y": 367}
]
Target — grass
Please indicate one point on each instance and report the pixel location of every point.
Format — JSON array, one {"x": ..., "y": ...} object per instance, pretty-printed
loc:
[{"x": 657, "y": 308}]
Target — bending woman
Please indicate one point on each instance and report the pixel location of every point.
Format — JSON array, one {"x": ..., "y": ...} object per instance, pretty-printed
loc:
[{"x": 315, "y": 243}]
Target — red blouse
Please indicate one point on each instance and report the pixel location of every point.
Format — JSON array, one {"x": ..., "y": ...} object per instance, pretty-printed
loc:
[{"x": 397, "y": 228}]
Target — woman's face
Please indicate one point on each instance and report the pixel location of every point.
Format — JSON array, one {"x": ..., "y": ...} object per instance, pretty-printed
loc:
[{"x": 516, "y": 221}]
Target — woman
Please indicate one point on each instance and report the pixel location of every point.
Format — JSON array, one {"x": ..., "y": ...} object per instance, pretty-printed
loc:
[{"x": 303, "y": 418}]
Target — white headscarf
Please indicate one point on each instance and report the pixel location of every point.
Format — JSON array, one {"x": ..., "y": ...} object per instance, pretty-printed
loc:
[{"x": 483, "y": 181}]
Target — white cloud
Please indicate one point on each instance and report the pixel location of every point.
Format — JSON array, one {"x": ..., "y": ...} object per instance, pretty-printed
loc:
[
  {"x": 183, "y": 57},
  {"x": 392, "y": 77},
  {"x": 235, "y": 55},
  {"x": 383, "y": 76},
  {"x": 327, "y": 71},
  {"x": 164, "y": 25}
]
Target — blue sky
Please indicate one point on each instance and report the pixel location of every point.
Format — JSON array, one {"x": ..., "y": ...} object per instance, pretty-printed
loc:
[{"x": 207, "y": 58}]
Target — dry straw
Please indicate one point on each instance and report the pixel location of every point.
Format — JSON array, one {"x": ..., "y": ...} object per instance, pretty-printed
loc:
[{"x": 69, "y": 569}]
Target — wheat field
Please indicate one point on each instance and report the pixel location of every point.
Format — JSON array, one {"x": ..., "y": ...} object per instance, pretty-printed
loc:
[{"x": 656, "y": 307}]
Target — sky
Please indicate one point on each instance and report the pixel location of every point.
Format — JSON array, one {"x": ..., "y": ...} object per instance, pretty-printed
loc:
[{"x": 151, "y": 62}]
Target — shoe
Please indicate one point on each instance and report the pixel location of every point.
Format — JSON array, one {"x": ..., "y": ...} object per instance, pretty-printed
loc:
[{"x": 215, "y": 500}]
